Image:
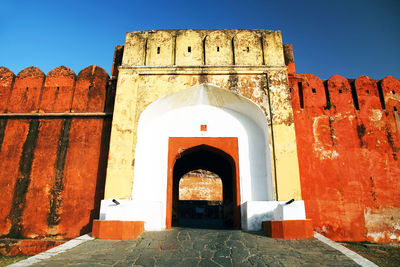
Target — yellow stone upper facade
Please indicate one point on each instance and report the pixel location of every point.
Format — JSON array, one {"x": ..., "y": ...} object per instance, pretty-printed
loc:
[
  {"x": 203, "y": 48},
  {"x": 249, "y": 63}
]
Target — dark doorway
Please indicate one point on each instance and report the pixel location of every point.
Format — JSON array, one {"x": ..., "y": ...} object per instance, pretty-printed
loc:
[
  {"x": 203, "y": 213},
  {"x": 200, "y": 200}
]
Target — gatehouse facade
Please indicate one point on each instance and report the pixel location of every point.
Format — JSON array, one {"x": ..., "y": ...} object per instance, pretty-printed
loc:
[
  {"x": 190, "y": 86},
  {"x": 198, "y": 128}
]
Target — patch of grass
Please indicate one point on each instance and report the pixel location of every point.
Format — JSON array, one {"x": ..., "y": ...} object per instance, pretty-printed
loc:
[
  {"x": 6, "y": 260},
  {"x": 380, "y": 254}
]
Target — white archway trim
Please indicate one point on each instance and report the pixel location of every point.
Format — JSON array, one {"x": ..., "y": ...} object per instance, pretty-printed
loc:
[{"x": 180, "y": 115}]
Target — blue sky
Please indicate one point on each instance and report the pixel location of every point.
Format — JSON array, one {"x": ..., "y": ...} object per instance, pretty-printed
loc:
[{"x": 346, "y": 37}]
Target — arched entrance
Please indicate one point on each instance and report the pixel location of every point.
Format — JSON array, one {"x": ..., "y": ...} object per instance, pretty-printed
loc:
[
  {"x": 197, "y": 116},
  {"x": 197, "y": 213},
  {"x": 200, "y": 202},
  {"x": 218, "y": 155}
]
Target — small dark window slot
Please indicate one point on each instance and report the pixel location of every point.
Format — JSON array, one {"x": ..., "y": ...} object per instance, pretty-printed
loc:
[
  {"x": 381, "y": 97},
  {"x": 328, "y": 97},
  {"x": 90, "y": 88},
  {"x": 217, "y": 48},
  {"x": 189, "y": 49},
  {"x": 58, "y": 88},
  {"x": 367, "y": 91},
  {"x": 314, "y": 90},
  {"x": 340, "y": 91},
  {"x": 300, "y": 85},
  {"x": 27, "y": 88},
  {"x": 393, "y": 92},
  {"x": 354, "y": 95},
  {"x": 395, "y": 109},
  {"x": 158, "y": 50},
  {"x": 248, "y": 49}
]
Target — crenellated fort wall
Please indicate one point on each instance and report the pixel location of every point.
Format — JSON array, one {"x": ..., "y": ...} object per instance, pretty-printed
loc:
[
  {"x": 54, "y": 133},
  {"x": 203, "y": 47},
  {"x": 154, "y": 64},
  {"x": 347, "y": 134}
]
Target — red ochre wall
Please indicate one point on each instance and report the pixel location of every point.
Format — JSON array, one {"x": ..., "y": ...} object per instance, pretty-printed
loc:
[
  {"x": 200, "y": 185},
  {"x": 348, "y": 149},
  {"x": 52, "y": 169}
]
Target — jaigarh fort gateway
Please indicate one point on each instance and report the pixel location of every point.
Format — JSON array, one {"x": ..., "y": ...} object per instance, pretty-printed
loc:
[{"x": 197, "y": 128}]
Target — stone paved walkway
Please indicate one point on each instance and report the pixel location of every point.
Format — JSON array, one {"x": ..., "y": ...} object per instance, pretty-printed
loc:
[{"x": 197, "y": 247}]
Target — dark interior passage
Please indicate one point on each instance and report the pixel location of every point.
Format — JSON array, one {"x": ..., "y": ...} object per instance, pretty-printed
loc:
[{"x": 203, "y": 213}]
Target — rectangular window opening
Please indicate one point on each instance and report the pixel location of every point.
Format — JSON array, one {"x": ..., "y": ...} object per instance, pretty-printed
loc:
[
  {"x": 381, "y": 97},
  {"x": 300, "y": 85},
  {"x": 189, "y": 49},
  {"x": 354, "y": 95},
  {"x": 396, "y": 115},
  {"x": 328, "y": 98},
  {"x": 158, "y": 50}
]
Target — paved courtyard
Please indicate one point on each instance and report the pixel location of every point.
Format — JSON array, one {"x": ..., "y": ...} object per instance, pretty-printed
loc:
[{"x": 198, "y": 247}]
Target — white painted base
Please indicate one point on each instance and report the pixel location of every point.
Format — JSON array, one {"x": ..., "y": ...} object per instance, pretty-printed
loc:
[
  {"x": 255, "y": 212},
  {"x": 128, "y": 210}
]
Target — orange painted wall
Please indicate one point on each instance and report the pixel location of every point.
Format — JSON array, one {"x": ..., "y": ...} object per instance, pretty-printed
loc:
[
  {"x": 200, "y": 185},
  {"x": 52, "y": 169},
  {"x": 86, "y": 157},
  {"x": 7, "y": 80},
  {"x": 348, "y": 150}
]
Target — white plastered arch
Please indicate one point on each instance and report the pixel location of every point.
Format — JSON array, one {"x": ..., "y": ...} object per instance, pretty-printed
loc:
[{"x": 180, "y": 115}]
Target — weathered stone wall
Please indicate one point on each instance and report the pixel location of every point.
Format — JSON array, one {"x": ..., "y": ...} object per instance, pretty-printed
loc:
[
  {"x": 52, "y": 166},
  {"x": 203, "y": 47},
  {"x": 347, "y": 134},
  {"x": 249, "y": 63},
  {"x": 200, "y": 185}
]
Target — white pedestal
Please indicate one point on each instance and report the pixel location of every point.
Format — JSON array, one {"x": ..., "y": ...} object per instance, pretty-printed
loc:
[
  {"x": 255, "y": 212},
  {"x": 128, "y": 210}
]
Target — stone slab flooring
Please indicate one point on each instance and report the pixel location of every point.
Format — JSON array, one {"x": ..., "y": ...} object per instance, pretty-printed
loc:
[{"x": 201, "y": 247}]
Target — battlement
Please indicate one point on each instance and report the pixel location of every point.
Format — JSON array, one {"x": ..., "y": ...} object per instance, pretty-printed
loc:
[
  {"x": 50, "y": 125},
  {"x": 339, "y": 94},
  {"x": 333, "y": 143},
  {"x": 31, "y": 91},
  {"x": 203, "y": 48}
]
